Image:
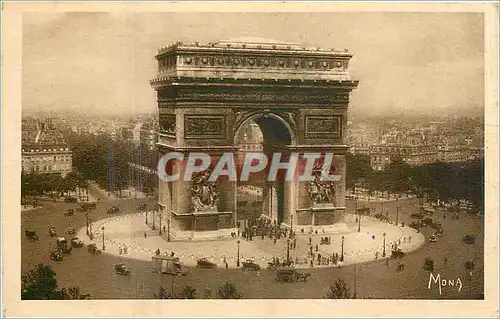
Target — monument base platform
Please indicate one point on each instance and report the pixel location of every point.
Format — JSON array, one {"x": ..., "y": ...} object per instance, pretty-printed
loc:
[{"x": 202, "y": 225}]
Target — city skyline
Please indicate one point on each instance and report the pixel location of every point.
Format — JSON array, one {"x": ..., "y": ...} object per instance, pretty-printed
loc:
[{"x": 111, "y": 56}]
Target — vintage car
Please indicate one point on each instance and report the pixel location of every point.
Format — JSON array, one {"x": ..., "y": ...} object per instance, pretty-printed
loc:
[
  {"x": 69, "y": 212},
  {"x": 469, "y": 239},
  {"x": 92, "y": 248},
  {"x": 62, "y": 245},
  {"x": 76, "y": 242},
  {"x": 432, "y": 238},
  {"x": 250, "y": 265},
  {"x": 70, "y": 200},
  {"x": 113, "y": 210},
  {"x": 71, "y": 230},
  {"x": 205, "y": 263},
  {"x": 397, "y": 253},
  {"x": 55, "y": 256},
  {"x": 31, "y": 234},
  {"x": 120, "y": 269},
  {"x": 290, "y": 274},
  {"x": 52, "y": 232}
]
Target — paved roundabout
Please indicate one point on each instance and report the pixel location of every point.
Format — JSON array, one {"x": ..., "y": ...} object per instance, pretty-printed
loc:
[{"x": 127, "y": 231}]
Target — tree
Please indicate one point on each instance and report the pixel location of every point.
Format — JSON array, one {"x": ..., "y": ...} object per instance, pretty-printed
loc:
[
  {"x": 228, "y": 291},
  {"x": 339, "y": 290},
  {"x": 40, "y": 284},
  {"x": 398, "y": 172},
  {"x": 187, "y": 293},
  {"x": 358, "y": 170}
]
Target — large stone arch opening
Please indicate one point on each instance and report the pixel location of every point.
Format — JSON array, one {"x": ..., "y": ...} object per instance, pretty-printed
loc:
[
  {"x": 258, "y": 197},
  {"x": 297, "y": 97}
]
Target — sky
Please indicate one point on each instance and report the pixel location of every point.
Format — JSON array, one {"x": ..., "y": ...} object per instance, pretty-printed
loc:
[{"x": 101, "y": 62}]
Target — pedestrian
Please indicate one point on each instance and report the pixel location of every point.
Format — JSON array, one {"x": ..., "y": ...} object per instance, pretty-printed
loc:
[
  {"x": 319, "y": 259},
  {"x": 409, "y": 239},
  {"x": 373, "y": 237},
  {"x": 387, "y": 261},
  {"x": 376, "y": 255},
  {"x": 316, "y": 247},
  {"x": 294, "y": 243},
  {"x": 275, "y": 240},
  {"x": 312, "y": 263},
  {"x": 125, "y": 249},
  {"x": 120, "y": 250},
  {"x": 145, "y": 235},
  {"x": 310, "y": 240},
  {"x": 404, "y": 239},
  {"x": 172, "y": 254},
  {"x": 445, "y": 260},
  {"x": 311, "y": 250},
  {"x": 164, "y": 229},
  {"x": 227, "y": 266}
]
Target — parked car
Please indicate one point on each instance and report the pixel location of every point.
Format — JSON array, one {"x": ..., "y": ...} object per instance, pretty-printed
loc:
[
  {"x": 52, "y": 232},
  {"x": 290, "y": 274},
  {"x": 250, "y": 265},
  {"x": 76, "y": 242},
  {"x": 92, "y": 248},
  {"x": 70, "y": 200},
  {"x": 432, "y": 238},
  {"x": 205, "y": 263},
  {"x": 113, "y": 210},
  {"x": 62, "y": 245},
  {"x": 71, "y": 230},
  {"x": 120, "y": 269},
  {"x": 469, "y": 239},
  {"x": 31, "y": 234},
  {"x": 55, "y": 256},
  {"x": 397, "y": 253},
  {"x": 69, "y": 212}
]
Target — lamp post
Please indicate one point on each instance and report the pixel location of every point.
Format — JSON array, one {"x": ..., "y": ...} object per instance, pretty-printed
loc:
[
  {"x": 291, "y": 223},
  {"x": 103, "y": 246},
  {"x": 168, "y": 229},
  {"x": 383, "y": 252},
  {"x": 238, "y": 256},
  {"x": 342, "y": 251},
  {"x": 160, "y": 222},
  {"x": 288, "y": 251},
  {"x": 145, "y": 213},
  {"x": 87, "y": 219},
  {"x": 154, "y": 226},
  {"x": 397, "y": 211}
]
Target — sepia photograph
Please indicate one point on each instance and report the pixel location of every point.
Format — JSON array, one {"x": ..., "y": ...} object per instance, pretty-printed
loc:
[{"x": 253, "y": 155}]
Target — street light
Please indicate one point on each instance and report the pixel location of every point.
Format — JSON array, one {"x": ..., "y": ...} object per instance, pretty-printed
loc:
[
  {"x": 154, "y": 226},
  {"x": 291, "y": 224},
  {"x": 288, "y": 251},
  {"x": 238, "y": 257},
  {"x": 87, "y": 219},
  {"x": 383, "y": 252},
  {"x": 103, "y": 247},
  {"x": 168, "y": 228},
  {"x": 160, "y": 223},
  {"x": 342, "y": 251},
  {"x": 397, "y": 211}
]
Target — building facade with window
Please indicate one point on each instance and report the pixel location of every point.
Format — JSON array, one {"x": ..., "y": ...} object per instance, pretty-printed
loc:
[{"x": 44, "y": 150}]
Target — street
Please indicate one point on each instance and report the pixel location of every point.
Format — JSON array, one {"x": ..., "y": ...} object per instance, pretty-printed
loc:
[{"x": 94, "y": 275}]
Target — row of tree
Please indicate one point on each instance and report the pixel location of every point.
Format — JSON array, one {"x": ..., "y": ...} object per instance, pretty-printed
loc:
[
  {"x": 443, "y": 181},
  {"x": 40, "y": 283},
  {"x": 107, "y": 161},
  {"x": 54, "y": 185}
]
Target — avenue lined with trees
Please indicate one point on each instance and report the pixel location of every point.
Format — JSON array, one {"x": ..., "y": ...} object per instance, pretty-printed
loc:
[{"x": 443, "y": 181}]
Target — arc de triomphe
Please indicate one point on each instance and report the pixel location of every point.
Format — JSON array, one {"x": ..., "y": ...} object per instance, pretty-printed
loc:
[{"x": 297, "y": 95}]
